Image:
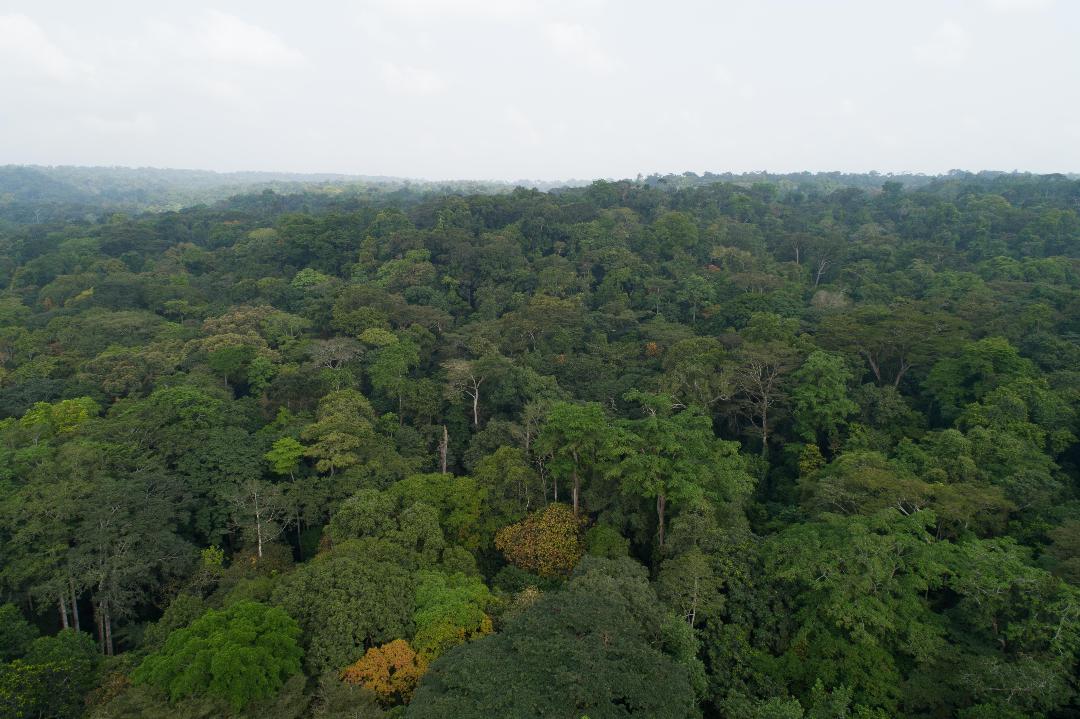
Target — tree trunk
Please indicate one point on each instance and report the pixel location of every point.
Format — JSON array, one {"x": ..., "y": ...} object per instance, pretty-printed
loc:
[
  {"x": 576, "y": 490},
  {"x": 765, "y": 430},
  {"x": 444, "y": 447},
  {"x": 258, "y": 523},
  {"x": 904, "y": 367},
  {"x": 661, "y": 505},
  {"x": 873, "y": 366},
  {"x": 100, "y": 626},
  {"x": 693, "y": 603},
  {"x": 108, "y": 630},
  {"x": 299, "y": 533},
  {"x": 63, "y": 612},
  {"x": 74, "y": 604},
  {"x": 822, "y": 266},
  {"x": 476, "y": 407}
]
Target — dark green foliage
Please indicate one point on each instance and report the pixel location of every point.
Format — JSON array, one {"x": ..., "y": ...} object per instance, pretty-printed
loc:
[
  {"x": 348, "y": 600},
  {"x": 52, "y": 679},
  {"x": 594, "y": 649},
  {"x": 833, "y": 416},
  {"x": 15, "y": 633}
]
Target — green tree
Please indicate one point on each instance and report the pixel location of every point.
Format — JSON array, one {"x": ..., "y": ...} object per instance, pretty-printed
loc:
[
  {"x": 982, "y": 366},
  {"x": 577, "y": 438},
  {"x": 594, "y": 649},
  {"x": 675, "y": 456},
  {"x": 450, "y": 609},
  {"x": 891, "y": 339},
  {"x": 820, "y": 403},
  {"x": 52, "y": 679},
  {"x": 284, "y": 456},
  {"x": 15, "y": 633},
  {"x": 347, "y": 600},
  {"x": 759, "y": 376},
  {"x": 857, "y": 588},
  {"x": 390, "y": 366},
  {"x": 241, "y": 654},
  {"x": 1015, "y": 631}
]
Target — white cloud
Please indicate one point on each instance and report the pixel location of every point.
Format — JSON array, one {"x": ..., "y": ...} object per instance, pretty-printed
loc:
[
  {"x": 574, "y": 43},
  {"x": 26, "y": 50},
  {"x": 1019, "y": 5},
  {"x": 482, "y": 9},
  {"x": 226, "y": 38},
  {"x": 949, "y": 46},
  {"x": 158, "y": 83},
  {"x": 141, "y": 123},
  {"x": 523, "y": 127},
  {"x": 410, "y": 80}
]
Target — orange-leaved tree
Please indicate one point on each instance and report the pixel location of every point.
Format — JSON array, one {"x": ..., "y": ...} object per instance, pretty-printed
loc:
[{"x": 391, "y": 671}]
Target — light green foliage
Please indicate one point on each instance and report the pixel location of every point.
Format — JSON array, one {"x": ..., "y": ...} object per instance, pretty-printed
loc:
[
  {"x": 510, "y": 487},
  {"x": 676, "y": 457},
  {"x": 688, "y": 584},
  {"x": 822, "y": 704},
  {"x": 892, "y": 339},
  {"x": 390, "y": 364},
  {"x": 44, "y": 420},
  {"x": 368, "y": 513},
  {"x": 450, "y": 609},
  {"x": 240, "y": 654},
  {"x": 860, "y": 587},
  {"x": 285, "y": 455},
  {"x": 231, "y": 361},
  {"x": 343, "y": 432},
  {"x": 260, "y": 371},
  {"x": 693, "y": 372},
  {"x": 308, "y": 278},
  {"x": 345, "y": 438},
  {"x": 820, "y": 403}
]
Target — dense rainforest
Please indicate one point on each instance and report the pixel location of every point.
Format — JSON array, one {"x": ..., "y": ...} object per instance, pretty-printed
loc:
[{"x": 778, "y": 448}]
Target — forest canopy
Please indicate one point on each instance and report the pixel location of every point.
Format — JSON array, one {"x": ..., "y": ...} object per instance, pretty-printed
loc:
[{"x": 686, "y": 446}]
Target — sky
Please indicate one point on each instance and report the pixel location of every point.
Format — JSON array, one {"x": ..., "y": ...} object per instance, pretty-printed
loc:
[{"x": 543, "y": 90}]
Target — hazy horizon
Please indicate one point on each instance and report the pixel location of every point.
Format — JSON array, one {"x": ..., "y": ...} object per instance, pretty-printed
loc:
[
  {"x": 506, "y": 90},
  {"x": 701, "y": 172}
]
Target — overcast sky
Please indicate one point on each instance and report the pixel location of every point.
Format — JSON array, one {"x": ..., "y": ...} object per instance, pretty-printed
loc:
[{"x": 512, "y": 89}]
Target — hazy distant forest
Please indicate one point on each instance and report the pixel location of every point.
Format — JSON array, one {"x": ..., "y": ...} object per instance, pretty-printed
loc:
[{"x": 761, "y": 447}]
